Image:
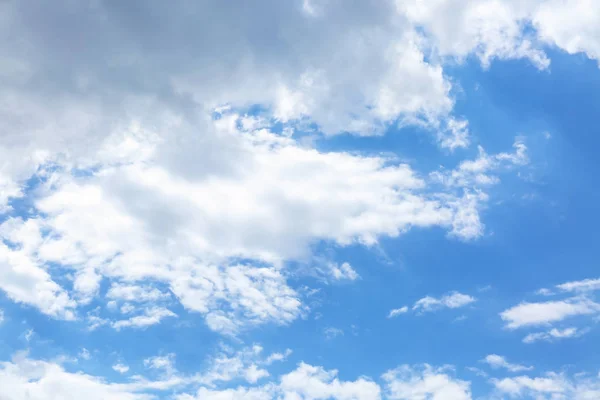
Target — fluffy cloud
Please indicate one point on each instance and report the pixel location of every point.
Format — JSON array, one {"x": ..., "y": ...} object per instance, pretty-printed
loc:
[
  {"x": 550, "y": 386},
  {"x": 570, "y": 25},
  {"x": 151, "y": 316},
  {"x": 24, "y": 378},
  {"x": 25, "y": 280},
  {"x": 533, "y": 314},
  {"x": 309, "y": 382},
  {"x": 137, "y": 184},
  {"x": 425, "y": 382},
  {"x": 145, "y": 221},
  {"x": 450, "y": 300},
  {"x": 135, "y": 293},
  {"x": 121, "y": 368}
]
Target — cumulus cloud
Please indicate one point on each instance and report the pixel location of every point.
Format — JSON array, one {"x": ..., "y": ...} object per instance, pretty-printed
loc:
[
  {"x": 150, "y": 174},
  {"x": 424, "y": 382},
  {"x": 157, "y": 217},
  {"x": 24, "y": 378},
  {"x": 310, "y": 382}
]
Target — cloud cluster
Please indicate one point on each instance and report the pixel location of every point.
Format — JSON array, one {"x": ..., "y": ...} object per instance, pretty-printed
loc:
[
  {"x": 578, "y": 303},
  {"x": 427, "y": 304}
]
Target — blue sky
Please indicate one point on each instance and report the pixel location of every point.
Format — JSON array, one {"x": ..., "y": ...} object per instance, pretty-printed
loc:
[{"x": 299, "y": 200}]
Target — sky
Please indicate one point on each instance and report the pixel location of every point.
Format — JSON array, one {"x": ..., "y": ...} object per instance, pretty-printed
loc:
[{"x": 299, "y": 200}]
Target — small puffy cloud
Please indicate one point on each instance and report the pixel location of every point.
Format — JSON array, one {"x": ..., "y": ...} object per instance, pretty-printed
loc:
[
  {"x": 397, "y": 311},
  {"x": 84, "y": 354},
  {"x": 543, "y": 313},
  {"x": 120, "y": 368},
  {"x": 274, "y": 357},
  {"x": 343, "y": 272},
  {"x": 245, "y": 363},
  {"x": 451, "y": 300},
  {"x": 164, "y": 363},
  {"x": 424, "y": 382},
  {"x": 480, "y": 171},
  {"x": 332, "y": 333},
  {"x": 496, "y": 361}
]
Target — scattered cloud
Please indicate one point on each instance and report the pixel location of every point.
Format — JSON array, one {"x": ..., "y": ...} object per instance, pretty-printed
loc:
[
  {"x": 424, "y": 382},
  {"x": 555, "y": 334},
  {"x": 120, "y": 368},
  {"x": 84, "y": 354},
  {"x": 496, "y": 361},
  {"x": 544, "y": 313},
  {"x": 150, "y": 317},
  {"x": 451, "y": 300},
  {"x": 586, "y": 285},
  {"x": 332, "y": 333},
  {"x": 397, "y": 311}
]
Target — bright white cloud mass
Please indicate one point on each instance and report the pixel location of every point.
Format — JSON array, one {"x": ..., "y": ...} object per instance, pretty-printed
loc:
[{"x": 225, "y": 200}]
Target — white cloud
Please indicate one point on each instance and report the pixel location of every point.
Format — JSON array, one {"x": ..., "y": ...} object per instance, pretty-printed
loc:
[
  {"x": 543, "y": 313},
  {"x": 241, "y": 393},
  {"x": 332, "y": 333},
  {"x": 165, "y": 363},
  {"x": 84, "y": 354},
  {"x": 343, "y": 272},
  {"x": 28, "y": 334},
  {"x": 22, "y": 277},
  {"x": 244, "y": 363},
  {"x": 278, "y": 357},
  {"x": 147, "y": 212},
  {"x": 424, "y": 382},
  {"x": 496, "y": 361},
  {"x": 586, "y": 285},
  {"x": 470, "y": 173},
  {"x": 397, "y": 311},
  {"x": 489, "y": 29},
  {"x": 135, "y": 293},
  {"x": 305, "y": 382},
  {"x": 571, "y": 25},
  {"x": 26, "y": 379},
  {"x": 151, "y": 316},
  {"x": 549, "y": 386},
  {"x": 120, "y": 368},
  {"x": 555, "y": 334},
  {"x": 310, "y": 382},
  {"x": 450, "y": 300},
  {"x": 524, "y": 385}
]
